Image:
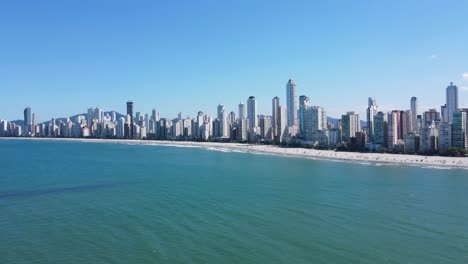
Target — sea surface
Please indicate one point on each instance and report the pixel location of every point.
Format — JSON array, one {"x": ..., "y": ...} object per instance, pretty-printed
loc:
[{"x": 75, "y": 202}]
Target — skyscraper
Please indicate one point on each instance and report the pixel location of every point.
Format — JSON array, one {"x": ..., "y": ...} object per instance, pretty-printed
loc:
[
  {"x": 131, "y": 132},
  {"x": 34, "y": 123},
  {"x": 445, "y": 136},
  {"x": 252, "y": 112},
  {"x": 393, "y": 128},
  {"x": 315, "y": 120},
  {"x": 414, "y": 113},
  {"x": 372, "y": 110},
  {"x": 222, "y": 118},
  {"x": 27, "y": 121},
  {"x": 452, "y": 101},
  {"x": 242, "y": 111},
  {"x": 275, "y": 114},
  {"x": 291, "y": 103},
  {"x": 304, "y": 103},
  {"x": 350, "y": 124},
  {"x": 459, "y": 132},
  {"x": 380, "y": 130}
]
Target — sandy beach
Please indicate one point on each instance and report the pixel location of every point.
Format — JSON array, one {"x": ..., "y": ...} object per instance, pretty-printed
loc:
[{"x": 397, "y": 159}]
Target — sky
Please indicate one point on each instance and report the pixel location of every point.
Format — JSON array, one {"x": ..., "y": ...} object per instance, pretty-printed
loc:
[{"x": 61, "y": 57}]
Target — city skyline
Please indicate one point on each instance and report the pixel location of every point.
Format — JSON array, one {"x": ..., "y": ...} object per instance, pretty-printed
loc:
[
  {"x": 59, "y": 58},
  {"x": 297, "y": 95},
  {"x": 299, "y": 123}
]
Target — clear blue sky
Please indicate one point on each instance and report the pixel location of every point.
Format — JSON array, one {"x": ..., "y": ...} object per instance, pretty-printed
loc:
[{"x": 61, "y": 57}]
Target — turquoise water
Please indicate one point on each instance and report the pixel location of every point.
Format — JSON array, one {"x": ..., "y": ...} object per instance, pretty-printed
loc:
[{"x": 71, "y": 202}]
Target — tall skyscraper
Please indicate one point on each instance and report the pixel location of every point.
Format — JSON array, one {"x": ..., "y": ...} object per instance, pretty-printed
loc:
[
  {"x": 27, "y": 121},
  {"x": 275, "y": 109},
  {"x": 222, "y": 118},
  {"x": 380, "y": 129},
  {"x": 34, "y": 123},
  {"x": 242, "y": 111},
  {"x": 291, "y": 103},
  {"x": 372, "y": 110},
  {"x": 414, "y": 113},
  {"x": 275, "y": 118},
  {"x": 393, "y": 128},
  {"x": 315, "y": 120},
  {"x": 232, "y": 118},
  {"x": 220, "y": 110},
  {"x": 153, "y": 115},
  {"x": 452, "y": 101},
  {"x": 252, "y": 112},
  {"x": 131, "y": 132},
  {"x": 409, "y": 122},
  {"x": 304, "y": 103},
  {"x": 90, "y": 117},
  {"x": 350, "y": 124},
  {"x": 445, "y": 136},
  {"x": 459, "y": 130}
]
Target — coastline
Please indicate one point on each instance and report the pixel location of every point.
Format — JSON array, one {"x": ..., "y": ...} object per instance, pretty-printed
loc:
[{"x": 384, "y": 158}]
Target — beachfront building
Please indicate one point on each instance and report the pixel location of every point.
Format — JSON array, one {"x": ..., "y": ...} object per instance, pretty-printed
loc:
[
  {"x": 131, "y": 132},
  {"x": 315, "y": 119},
  {"x": 279, "y": 120},
  {"x": 3, "y": 128},
  {"x": 222, "y": 129},
  {"x": 451, "y": 101},
  {"x": 407, "y": 118},
  {"x": 372, "y": 110},
  {"x": 275, "y": 117},
  {"x": 252, "y": 112},
  {"x": 291, "y": 103},
  {"x": 243, "y": 129},
  {"x": 350, "y": 125},
  {"x": 414, "y": 113},
  {"x": 242, "y": 111},
  {"x": 429, "y": 138},
  {"x": 304, "y": 103},
  {"x": 266, "y": 130},
  {"x": 380, "y": 131},
  {"x": 334, "y": 137},
  {"x": 445, "y": 136},
  {"x": 459, "y": 130},
  {"x": 27, "y": 127},
  {"x": 412, "y": 142},
  {"x": 393, "y": 128}
]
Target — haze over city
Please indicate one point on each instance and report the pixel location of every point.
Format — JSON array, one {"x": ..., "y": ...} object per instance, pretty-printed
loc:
[{"x": 60, "y": 59}]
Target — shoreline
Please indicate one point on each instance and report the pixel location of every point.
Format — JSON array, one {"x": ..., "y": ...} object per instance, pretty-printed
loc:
[{"x": 376, "y": 158}]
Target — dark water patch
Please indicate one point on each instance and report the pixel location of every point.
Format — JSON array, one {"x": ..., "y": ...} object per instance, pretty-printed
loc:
[{"x": 59, "y": 190}]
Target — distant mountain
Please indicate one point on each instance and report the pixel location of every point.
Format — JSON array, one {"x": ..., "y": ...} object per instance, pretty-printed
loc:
[{"x": 73, "y": 118}]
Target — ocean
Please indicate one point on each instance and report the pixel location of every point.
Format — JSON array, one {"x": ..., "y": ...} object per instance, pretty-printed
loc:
[{"x": 83, "y": 202}]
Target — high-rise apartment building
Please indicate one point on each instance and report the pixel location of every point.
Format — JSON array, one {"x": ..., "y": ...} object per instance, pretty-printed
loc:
[
  {"x": 131, "y": 131},
  {"x": 380, "y": 130},
  {"x": 393, "y": 129},
  {"x": 242, "y": 111},
  {"x": 27, "y": 121},
  {"x": 304, "y": 103},
  {"x": 372, "y": 110},
  {"x": 350, "y": 125},
  {"x": 460, "y": 130},
  {"x": 451, "y": 101},
  {"x": 291, "y": 103},
  {"x": 414, "y": 113},
  {"x": 252, "y": 112}
]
